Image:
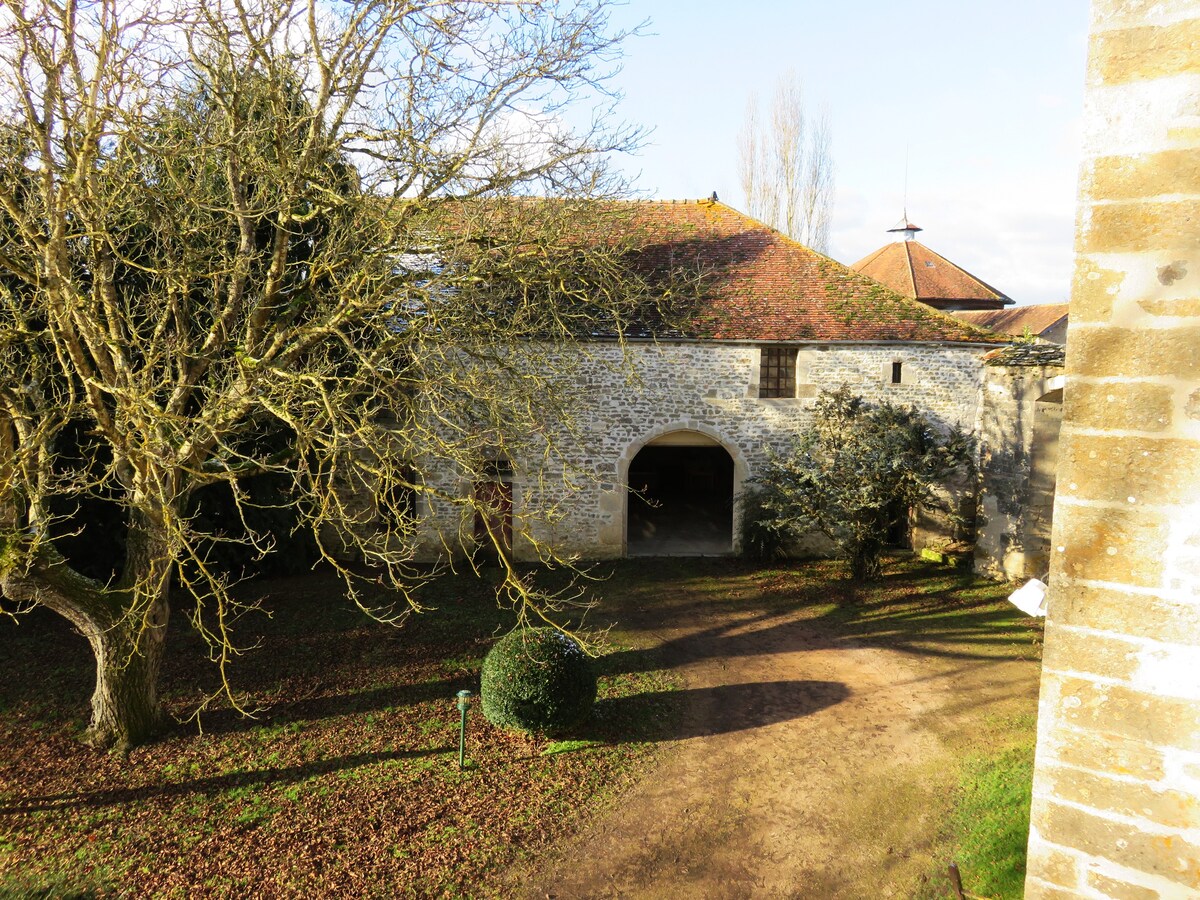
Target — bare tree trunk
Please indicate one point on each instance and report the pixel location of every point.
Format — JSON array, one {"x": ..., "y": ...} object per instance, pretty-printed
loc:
[
  {"x": 127, "y": 634},
  {"x": 866, "y": 561},
  {"x": 125, "y": 707}
]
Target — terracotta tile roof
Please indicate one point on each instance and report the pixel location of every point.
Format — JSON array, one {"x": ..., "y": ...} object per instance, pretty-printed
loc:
[
  {"x": 912, "y": 269},
  {"x": 1014, "y": 321},
  {"x": 763, "y": 286}
]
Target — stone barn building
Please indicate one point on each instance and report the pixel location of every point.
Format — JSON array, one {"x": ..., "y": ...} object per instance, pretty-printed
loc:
[{"x": 671, "y": 429}]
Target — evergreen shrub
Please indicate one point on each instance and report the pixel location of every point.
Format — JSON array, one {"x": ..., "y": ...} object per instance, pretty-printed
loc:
[
  {"x": 765, "y": 534},
  {"x": 537, "y": 680}
]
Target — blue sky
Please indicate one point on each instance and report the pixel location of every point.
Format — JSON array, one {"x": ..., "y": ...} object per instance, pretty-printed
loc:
[{"x": 986, "y": 97}]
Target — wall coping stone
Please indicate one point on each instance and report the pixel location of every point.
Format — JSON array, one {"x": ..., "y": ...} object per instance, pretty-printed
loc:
[{"x": 1027, "y": 355}]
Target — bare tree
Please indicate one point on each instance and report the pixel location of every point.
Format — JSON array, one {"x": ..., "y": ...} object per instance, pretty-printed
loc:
[
  {"x": 290, "y": 237},
  {"x": 786, "y": 166}
]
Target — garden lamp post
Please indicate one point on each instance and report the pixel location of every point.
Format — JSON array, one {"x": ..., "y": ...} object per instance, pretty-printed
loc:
[{"x": 464, "y": 703}]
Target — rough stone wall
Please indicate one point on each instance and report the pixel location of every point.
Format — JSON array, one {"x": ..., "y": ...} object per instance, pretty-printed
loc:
[
  {"x": 1116, "y": 806},
  {"x": 1019, "y": 416},
  {"x": 710, "y": 388}
]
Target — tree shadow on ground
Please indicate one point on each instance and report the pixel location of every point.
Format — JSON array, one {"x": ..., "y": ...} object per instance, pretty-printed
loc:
[
  {"x": 229, "y": 721},
  {"x": 921, "y": 611},
  {"x": 210, "y": 786},
  {"x": 683, "y": 610},
  {"x": 702, "y": 712},
  {"x": 312, "y": 660},
  {"x": 62, "y": 677}
]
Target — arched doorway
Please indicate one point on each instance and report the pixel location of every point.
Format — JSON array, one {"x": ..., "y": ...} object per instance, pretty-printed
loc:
[{"x": 680, "y": 500}]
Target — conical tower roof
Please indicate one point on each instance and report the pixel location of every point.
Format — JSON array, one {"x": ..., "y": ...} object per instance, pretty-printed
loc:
[{"x": 910, "y": 268}]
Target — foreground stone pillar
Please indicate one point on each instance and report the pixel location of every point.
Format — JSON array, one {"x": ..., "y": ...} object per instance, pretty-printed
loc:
[{"x": 1116, "y": 809}]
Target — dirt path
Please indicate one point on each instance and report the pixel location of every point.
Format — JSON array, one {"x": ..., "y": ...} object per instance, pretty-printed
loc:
[{"x": 813, "y": 765}]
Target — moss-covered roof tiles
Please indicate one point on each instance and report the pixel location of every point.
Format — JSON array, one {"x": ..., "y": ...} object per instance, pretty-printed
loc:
[{"x": 761, "y": 285}]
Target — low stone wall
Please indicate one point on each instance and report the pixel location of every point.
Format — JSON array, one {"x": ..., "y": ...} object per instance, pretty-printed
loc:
[{"x": 1019, "y": 415}]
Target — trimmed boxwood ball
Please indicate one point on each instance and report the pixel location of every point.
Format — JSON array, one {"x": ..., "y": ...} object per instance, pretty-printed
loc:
[{"x": 538, "y": 680}]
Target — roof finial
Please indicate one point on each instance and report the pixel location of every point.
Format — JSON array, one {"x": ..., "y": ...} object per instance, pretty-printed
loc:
[{"x": 907, "y": 228}]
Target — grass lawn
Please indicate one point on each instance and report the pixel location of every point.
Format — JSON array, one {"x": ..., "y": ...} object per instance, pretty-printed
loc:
[
  {"x": 989, "y": 827},
  {"x": 347, "y": 783}
]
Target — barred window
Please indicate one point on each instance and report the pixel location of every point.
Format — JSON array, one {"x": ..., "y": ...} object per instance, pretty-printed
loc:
[{"x": 777, "y": 372}]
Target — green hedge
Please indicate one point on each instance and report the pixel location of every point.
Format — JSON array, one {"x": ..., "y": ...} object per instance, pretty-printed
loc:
[{"x": 537, "y": 680}]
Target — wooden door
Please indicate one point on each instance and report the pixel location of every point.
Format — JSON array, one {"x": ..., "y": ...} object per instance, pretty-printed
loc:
[{"x": 493, "y": 517}]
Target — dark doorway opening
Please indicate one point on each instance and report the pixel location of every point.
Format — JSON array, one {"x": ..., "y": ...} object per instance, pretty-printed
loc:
[
  {"x": 899, "y": 533},
  {"x": 493, "y": 520},
  {"x": 681, "y": 501}
]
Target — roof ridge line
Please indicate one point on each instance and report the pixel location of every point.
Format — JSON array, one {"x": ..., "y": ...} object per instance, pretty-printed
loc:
[{"x": 912, "y": 275}]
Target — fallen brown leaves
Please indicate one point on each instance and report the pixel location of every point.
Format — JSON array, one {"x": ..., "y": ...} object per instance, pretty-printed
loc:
[{"x": 346, "y": 784}]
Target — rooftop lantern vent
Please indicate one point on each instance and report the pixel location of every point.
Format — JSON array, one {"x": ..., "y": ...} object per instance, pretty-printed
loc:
[{"x": 906, "y": 228}]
